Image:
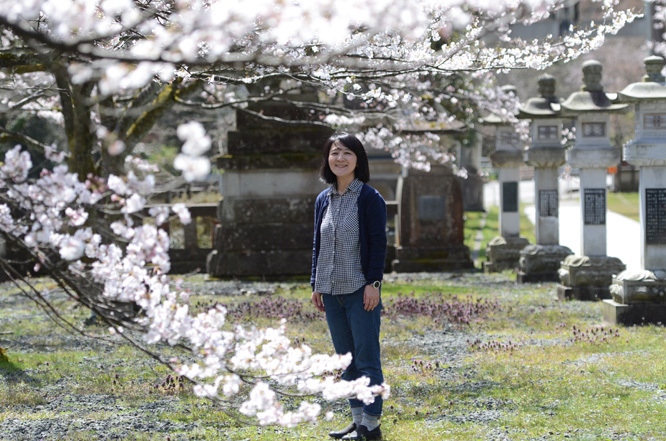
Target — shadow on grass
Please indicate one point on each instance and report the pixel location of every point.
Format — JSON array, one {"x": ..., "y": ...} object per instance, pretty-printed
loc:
[{"x": 13, "y": 374}]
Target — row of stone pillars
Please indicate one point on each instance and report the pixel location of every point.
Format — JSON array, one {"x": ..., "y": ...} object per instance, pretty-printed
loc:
[{"x": 637, "y": 296}]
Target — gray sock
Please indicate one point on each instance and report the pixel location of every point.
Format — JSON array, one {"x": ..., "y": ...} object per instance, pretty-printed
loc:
[
  {"x": 370, "y": 421},
  {"x": 357, "y": 415}
]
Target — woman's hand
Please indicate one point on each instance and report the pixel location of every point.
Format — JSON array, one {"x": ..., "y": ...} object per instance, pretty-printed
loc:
[
  {"x": 370, "y": 297},
  {"x": 318, "y": 302}
]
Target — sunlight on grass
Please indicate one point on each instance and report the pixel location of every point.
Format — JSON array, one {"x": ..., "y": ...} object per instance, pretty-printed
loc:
[{"x": 626, "y": 204}]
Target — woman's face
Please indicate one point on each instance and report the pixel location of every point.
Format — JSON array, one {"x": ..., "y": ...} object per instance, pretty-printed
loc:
[{"x": 341, "y": 160}]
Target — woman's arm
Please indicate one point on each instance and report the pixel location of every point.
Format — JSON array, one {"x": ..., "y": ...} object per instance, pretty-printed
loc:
[{"x": 375, "y": 215}]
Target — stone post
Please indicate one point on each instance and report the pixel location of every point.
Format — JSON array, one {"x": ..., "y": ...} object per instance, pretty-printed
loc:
[
  {"x": 589, "y": 275},
  {"x": 640, "y": 296},
  {"x": 472, "y": 185},
  {"x": 503, "y": 251},
  {"x": 540, "y": 262}
]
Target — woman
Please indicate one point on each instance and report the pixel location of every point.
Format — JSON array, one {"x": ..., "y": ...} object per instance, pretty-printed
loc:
[{"x": 347, "y": 271}]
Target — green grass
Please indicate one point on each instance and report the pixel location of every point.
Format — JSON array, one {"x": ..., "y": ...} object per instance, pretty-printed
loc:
[
  {"x": 531, "y": 375},
  {"x": 625, "y": 204}
]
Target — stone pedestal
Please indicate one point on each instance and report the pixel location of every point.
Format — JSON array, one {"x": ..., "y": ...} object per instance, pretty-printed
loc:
[
  {"x": 430, "y": 223},
  {"x": 587, "y": 278},
  {"x": 504, "y": 253},
  {"x": 269, "y": 185},
  {"x": 540, "y": 263},
  {"x": 638, "y": 297}
]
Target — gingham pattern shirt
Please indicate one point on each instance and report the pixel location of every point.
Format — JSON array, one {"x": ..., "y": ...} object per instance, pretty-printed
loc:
[{"x": 339, "y": 269}]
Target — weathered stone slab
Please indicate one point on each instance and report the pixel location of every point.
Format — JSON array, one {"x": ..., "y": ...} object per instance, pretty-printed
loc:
[
  {"x": 263, "y": 237},
  {"x": 188, "y": 260},
  {"x": 273, "y": 210},
  {"x": 589, "y": 270},
  {"x": 432, "y": 259},
  {"x": 260, "y": 141},
  {"x": 266, "y": 264},
  {"x": 586, "y": 293},
  {"x": 285, "y": 160},
  {"x": 616, "y": 313},
  {"x": 503, "y": 253},
  {"x": 539, "y": 263},
  {"x": 431, "y": 223}
]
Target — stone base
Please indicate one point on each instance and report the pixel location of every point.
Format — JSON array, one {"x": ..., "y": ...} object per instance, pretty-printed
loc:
[
  {"x": 272, "y": 265},
  {"x": 540, "y": 263},
  {"x": 503, "y": 253},
  {"x": 496, "y": 267},
  {"x": 592, "y": 293},
  {"x": 534, "y": 277},
  {"x": 587, "y": 277},
  {"x": 413, "y": 260},
  {"x": 639, "y": 286},
  {"x": 633, "y": 314}
]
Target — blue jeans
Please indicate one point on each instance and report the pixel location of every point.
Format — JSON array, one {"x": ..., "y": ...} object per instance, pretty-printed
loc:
[{"x": 356, "y": 330}]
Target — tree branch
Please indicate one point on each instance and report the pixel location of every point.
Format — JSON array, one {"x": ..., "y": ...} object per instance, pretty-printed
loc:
[{"x": 9, "y": 136}]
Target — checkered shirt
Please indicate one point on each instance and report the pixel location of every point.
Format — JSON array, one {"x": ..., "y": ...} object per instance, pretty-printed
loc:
[{"x": 339, "y": 269}]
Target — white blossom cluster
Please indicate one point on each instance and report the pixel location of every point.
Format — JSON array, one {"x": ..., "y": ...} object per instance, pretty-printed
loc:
[
  {"x": 399, "y": 57},
  {"x": 321, "y": 36}
]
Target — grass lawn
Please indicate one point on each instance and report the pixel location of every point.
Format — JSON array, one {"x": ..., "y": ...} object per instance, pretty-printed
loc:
[
  {"x": 625, "y": 204},
  {"x": 525, "y": 367}
]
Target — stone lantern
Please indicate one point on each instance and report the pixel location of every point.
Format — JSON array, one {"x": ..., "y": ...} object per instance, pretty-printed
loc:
[
  {"x": 503, "y": 251},
  {"x": 588, "y": 276},
  {"x": 540, "y": 262},
  {"x": 640, "y": 296}
]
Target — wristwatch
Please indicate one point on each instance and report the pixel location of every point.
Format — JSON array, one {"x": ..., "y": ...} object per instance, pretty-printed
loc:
[{"x": 377, "y": 284}]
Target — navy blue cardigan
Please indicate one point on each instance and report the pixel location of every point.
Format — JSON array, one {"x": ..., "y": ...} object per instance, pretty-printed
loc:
[{"x": 372, "y": 232}]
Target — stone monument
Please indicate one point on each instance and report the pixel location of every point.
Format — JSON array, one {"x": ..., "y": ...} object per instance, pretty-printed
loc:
[
  {"x": 430, "y": 218},
  {"x": 503, "y": 251},
  {"x": 269, "y": 184},
  {"x": 639, "y": 296},
  {"x": 540, "y": 262},
  {"x": 588, "y": 276}
]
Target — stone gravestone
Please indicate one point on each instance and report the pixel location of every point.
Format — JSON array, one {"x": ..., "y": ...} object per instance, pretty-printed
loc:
[
  {"x": 540, "y": 262},
  {"x": 269, "y": 184},
  {"x": 430, "y": 217},
  {"x": 503, "y": 251},
  {"x": 589, "y": 276},
  {"x": 639, "y": 296}
]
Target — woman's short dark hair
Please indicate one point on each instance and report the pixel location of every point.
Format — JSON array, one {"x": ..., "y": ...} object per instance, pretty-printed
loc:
[{"x": 362, "y": 172}]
